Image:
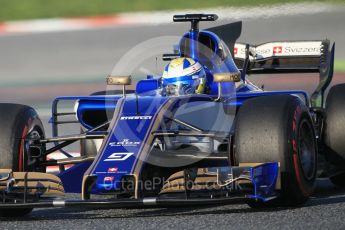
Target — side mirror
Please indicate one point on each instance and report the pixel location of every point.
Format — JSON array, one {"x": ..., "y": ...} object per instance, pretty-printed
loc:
[
  {"x": 225, "y": 77},
  {"x": 120, "y": 80}
]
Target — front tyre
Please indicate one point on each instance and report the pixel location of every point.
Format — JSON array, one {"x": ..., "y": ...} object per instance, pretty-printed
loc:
[
  {"x": 18, "y": 122},
  {"x": 279, "y": 129}
]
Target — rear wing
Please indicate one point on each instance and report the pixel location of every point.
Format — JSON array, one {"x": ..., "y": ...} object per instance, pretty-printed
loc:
[{"x": 289, "y": 57}]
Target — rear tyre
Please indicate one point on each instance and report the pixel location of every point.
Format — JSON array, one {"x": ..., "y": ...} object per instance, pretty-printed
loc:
[
  {"x": 279, "y": 129},
  {"x": 17, "y": 122},
  {"x": 334, "y": 132},
  {"x": 335, "y": 120}
]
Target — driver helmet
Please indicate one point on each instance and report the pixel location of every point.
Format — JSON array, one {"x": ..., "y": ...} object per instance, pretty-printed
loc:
[{"x": 183, "y": 76}]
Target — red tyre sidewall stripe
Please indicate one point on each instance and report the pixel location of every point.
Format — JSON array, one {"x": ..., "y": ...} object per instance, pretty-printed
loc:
[
  {"x": 21, "y": 146},
  {"x": 298, "y": 173},
  {"x": 21, "y": 150}
]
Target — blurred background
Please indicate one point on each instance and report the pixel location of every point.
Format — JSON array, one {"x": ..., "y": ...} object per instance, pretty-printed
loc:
[
  {"x": 33, "y": 9},
  {"x": 50, "y": 48}
]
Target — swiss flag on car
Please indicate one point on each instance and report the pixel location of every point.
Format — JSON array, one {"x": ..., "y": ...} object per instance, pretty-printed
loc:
[
  {"x": 112, "y": 169},
  {"x": 235, "y": 50},
  {"x": 277, "y": 50}
]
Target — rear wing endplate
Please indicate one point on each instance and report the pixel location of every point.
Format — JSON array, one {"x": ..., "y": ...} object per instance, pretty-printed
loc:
[{"x": 289, "y": 57}]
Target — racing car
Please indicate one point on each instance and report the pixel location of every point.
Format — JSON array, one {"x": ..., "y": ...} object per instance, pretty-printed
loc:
[{"x": 199, "y": 134}]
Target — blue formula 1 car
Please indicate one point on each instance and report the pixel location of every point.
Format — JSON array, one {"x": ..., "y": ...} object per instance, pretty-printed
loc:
[{"x": 200, "y": 134}]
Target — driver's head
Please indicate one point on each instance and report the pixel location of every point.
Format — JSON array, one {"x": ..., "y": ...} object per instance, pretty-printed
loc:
[{"x": 183, "y": 76}]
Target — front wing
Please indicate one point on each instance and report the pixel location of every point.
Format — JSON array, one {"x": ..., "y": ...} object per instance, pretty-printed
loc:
[{"x": 258, "y": 182}]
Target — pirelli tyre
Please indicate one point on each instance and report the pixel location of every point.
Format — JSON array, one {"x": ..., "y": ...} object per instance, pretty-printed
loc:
[
  {"x": 18, "y": 122},
  {"x": 279, "y": 129},
  {"x": 334, "y": 132}
]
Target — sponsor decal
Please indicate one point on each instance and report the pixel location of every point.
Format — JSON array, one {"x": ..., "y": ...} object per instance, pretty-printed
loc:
[
  {"x": 108, "y": 182},
  {"x": 108, "y": 178},
  {"x": 299, "y": 50},
  {"x": 262, "y": 51},
  {"x": 240, "y": 51},
  {"x": 124, "y": 142},
  {"x": 113, "y": 170},
  {"x": 118, "y": 156},
  {"x": 266, "y": 50},
  {"x": 136, "y": 118},
  {"x": 277, "y": 49}
]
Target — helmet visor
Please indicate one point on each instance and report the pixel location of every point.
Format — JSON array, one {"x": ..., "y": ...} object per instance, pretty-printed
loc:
[{"x": 181, "y": 88}]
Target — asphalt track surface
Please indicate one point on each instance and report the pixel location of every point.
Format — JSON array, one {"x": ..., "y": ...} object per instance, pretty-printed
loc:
[
  {"x": 34, "y": 68},
  {"x": 325, "y": 210}
]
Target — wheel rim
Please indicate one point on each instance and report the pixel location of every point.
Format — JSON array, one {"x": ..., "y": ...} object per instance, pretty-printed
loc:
[
  {"x": 34, "y": 133},
  {"x": 306, "y": 153}
]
